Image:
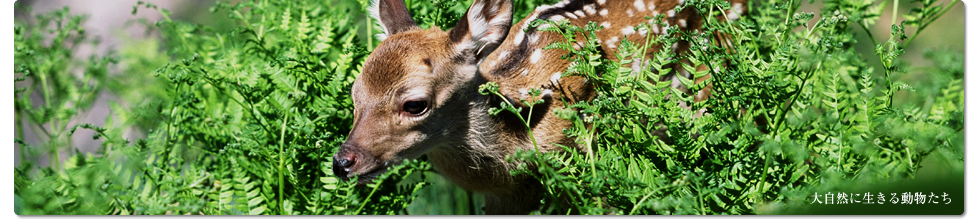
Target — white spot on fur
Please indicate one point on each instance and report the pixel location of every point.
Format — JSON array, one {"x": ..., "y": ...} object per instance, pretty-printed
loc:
[
  {"x": 675, "y": 82},
  {"x": 590, "y": 9},
  {"x": 561, "y": 4},
  {"x": 547, "y": 93},
  {"x": 733, "y": 15},
  {"x": 738, "y": 7},
  {"x": 557, "y": 18},
  {"x": 651, "y": 6},
  {"x": 612, "y": 42},
  {"x": 643, "y": 31},
  {"x": 636, "y": 66},
  {"x": 523, "y": 93},
  {"x": 535, "y": 37},
  {"x": 525, "y": 72},
  {"x": 640, "y": 5},
  {"x": 542, "y": 8},
  {"x": 655, "y": 13},
  {"x": 701, "y": 113},
  {"x": 579, "y": 44},
  {"x": 629, "y": 30},
  {"x": 520, "y": 34},
  {"x": 630, "y": 13},
  {"x": 502, "y": 55},
  {"x": 604, "y": 12},
  {"x": 655, "y": 28},
  {"x": 570, "y": 15},
  {"x": 681, "y": 3},
  {"x": 536, "y": 56},
  {"x": 682, "y": 23},
  {"x": 579, "y": 13},
  {"x": 675, "y": 46},
  {"x": 601, "y": 2},
  {"x": 671, "y": 13},
  {"x": 683, "y": 105},
  {"x": 606, "y": 25},
  {"x": 555, "y": 78}
]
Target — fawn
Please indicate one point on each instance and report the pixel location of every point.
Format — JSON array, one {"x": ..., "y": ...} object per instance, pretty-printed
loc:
[{"x": 418, "y": 93}]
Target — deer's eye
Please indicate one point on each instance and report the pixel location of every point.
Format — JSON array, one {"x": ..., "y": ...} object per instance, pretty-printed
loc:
[{"x": 415, "y": 107}]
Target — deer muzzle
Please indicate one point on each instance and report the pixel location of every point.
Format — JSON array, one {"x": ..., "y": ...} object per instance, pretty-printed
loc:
[{"x": 352, "y": 160}]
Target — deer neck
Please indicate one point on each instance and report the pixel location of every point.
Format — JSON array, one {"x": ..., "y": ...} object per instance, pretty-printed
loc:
[{"x": 477, "y": 149}]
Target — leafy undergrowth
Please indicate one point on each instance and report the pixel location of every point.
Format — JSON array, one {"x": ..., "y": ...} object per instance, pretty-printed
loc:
[{"x": 243, "y": 119}]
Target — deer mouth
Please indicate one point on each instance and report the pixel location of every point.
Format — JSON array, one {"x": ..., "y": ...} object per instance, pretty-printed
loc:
[
  {"x": 368, "y": 177},
  {"x": 362, "y": 178}
]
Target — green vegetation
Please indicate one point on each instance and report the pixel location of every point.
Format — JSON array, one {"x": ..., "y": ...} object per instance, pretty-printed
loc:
[{"x": 244, "y": 118}]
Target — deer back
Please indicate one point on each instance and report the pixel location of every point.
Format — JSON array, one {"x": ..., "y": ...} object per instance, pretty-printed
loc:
[{"x": 521, "y": 63}]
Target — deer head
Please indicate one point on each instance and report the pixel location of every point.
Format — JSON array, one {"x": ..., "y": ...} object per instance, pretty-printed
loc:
[{"x": 412, "y": 95}]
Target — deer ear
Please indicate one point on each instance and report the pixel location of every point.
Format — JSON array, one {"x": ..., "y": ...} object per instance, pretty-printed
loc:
[
  {"x": 484, "y": 26},
  {"x": 392, "y": 15}
]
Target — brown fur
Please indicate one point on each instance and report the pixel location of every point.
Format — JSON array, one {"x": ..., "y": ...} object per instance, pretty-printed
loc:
[{"x": 445, "y": 68}]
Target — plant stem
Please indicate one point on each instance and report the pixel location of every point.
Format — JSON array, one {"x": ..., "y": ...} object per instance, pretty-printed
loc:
[
  {"x": 784, "y": 111},
  {"x": 699, "y": 195},
  {"x": 370, "y": 35},
  {"x": 169, "y": 125},
  {"x": 791, "y": 10},
  {"x": 894, "y": 12},
  {"x": 281, "y": 163},
  {"x": 44, "y": 87},
  {"x": 529, "y": 130},
  {"x": 367, "y": 199},
  {"x": 908, "y": 157},
  {"x": 250, "y": 106},
  {"x": 810, "y": 31},
  {"x": 916, "y": 32},
  {"x": 56, "y": 160},
  {"x": 18, "y": 120},
  {"x": 886, "y": 67},
  {"x": 760, "y": 189},
  {"x": 868, "y": 33},
  {"x": 640, "y": 201},
  {"x": 591, "y": 158}
]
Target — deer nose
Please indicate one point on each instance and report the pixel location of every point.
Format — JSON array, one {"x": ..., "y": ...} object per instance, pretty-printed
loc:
[
  {"x": 346, "y": 163},
  {"x": 343, "y": 163}
]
